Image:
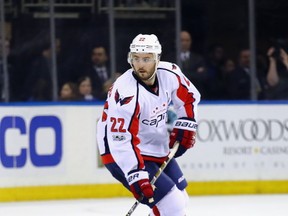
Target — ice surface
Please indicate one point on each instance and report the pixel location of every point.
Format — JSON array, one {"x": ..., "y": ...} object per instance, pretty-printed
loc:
[{"x": 248, "y": 205}]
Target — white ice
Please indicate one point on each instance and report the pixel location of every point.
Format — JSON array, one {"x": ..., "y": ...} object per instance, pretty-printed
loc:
[{"x": 248, "y": 205}]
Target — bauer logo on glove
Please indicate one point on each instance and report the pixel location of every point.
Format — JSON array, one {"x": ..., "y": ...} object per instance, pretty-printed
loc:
[
  {"x": 184, "y": 131},
  {"x": 188, "y": 125}
]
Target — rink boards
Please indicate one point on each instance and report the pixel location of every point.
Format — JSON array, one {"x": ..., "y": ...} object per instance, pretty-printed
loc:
[{"x": 49, "y": 151}]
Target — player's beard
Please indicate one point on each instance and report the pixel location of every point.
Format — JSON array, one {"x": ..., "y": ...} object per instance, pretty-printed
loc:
[{"x": 146, "y": 76}]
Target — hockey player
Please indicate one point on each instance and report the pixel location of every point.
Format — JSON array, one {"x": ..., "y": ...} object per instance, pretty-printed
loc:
[{"x": 132, "y": 133}]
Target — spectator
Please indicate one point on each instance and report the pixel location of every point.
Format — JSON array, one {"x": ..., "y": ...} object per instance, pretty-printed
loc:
[
  {"x": 226, "y": 69},
  {"x": 239, "y": 84},
  {"x": 38, "y": 84},
  {"x": 193, "y": 64},
  {"x": 99, "y": 71},
  {"x": 85, "y": 88},
  {"x": 108, "y": 84},
  {"x": 277, "y": 76},
  {"x": 215, "y": 59},
  {"x": 6, "y": 45},
  {"x": 69, "y": 92}
]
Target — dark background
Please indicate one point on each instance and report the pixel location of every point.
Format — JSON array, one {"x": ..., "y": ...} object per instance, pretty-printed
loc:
[{"x": 210, "y": 22}]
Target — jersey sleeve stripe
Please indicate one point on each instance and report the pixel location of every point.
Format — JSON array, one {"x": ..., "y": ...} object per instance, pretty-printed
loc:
[
  {"x": 134, "y": 130},
  {"x": 184, "y": 95},
  {"x": 107, "y": 159},
  {"x": 187, "y": 97}
]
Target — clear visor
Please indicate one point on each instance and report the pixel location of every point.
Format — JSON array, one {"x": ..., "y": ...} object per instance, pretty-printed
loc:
[{"x": 136, "y": 59}]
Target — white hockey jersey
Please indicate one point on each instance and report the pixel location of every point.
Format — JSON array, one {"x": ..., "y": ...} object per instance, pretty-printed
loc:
[{"x": 133, "y": 123}]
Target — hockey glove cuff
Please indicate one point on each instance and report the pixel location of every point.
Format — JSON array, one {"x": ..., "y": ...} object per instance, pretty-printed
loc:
[
  {"x": 184, "y": 131},
  {"x": 140, "y": 184}
]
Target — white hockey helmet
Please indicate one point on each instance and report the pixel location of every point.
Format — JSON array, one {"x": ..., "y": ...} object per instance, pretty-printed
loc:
[{"x": 144, "y": 43}]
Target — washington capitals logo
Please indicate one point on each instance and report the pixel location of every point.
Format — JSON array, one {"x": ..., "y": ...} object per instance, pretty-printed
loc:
[{"x": 122, "y": 101}]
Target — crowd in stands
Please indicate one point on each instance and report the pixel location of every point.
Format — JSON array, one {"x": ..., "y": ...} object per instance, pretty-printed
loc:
[
  {"x": 216, "y": 75},
  {"x": 219, "y": 77},
  {"x": 31, "y": 77}
]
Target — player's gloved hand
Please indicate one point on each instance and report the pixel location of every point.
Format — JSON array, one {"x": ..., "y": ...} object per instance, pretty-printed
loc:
[
  {"x": 140, "y": 184},
  {"x": 184, "y": 131}
]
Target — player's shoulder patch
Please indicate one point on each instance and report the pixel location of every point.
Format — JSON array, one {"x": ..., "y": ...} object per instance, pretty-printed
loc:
[
  {"x": 174, "y": 67},
  {"x": 124, "y": 89},
  {"x": 122, "y": 100}
]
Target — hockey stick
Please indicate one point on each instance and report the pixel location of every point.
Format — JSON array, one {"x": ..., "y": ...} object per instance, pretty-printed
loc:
[{"x": 156, "y": 176}]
